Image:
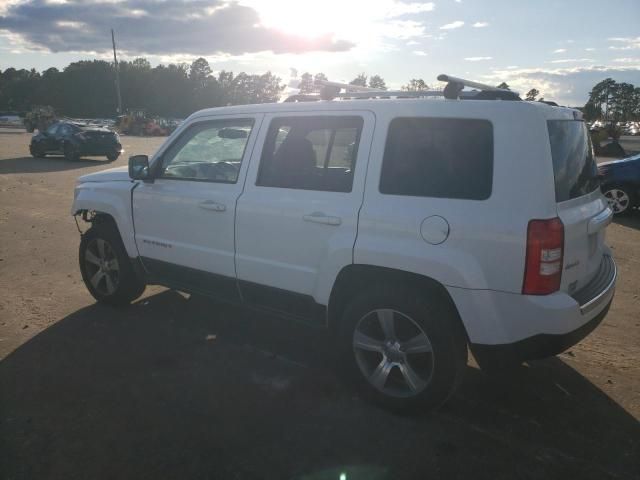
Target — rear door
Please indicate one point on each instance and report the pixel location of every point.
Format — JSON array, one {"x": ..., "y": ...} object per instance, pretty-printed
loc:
[
  {"x": 581, "y": 206},
  {"x": 297, "y": 217}
]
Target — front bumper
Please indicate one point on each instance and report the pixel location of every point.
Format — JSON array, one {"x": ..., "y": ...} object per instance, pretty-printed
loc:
[
  {"x": 525, "y": 327},
  {"x": 100, "y": 149}
]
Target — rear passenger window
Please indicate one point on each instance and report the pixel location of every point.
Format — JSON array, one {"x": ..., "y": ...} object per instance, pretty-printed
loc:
[
  {"x": 438, "y": 157},
  {"x": 311, "y": 153}
]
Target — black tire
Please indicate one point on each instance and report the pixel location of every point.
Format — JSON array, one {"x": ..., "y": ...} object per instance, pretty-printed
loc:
[
  {"x": 71, "y": 152},
  {"x": 112, "y": 157},
  {"x": 127, "y": 286},
  {"x": 440, "y": 371},
  {"x": 621, "y": 199},
  {"x": 36, "y": 152}
]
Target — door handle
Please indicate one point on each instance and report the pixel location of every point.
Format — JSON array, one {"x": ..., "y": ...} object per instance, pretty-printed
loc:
[
  {"x": 211, "y": 205},
  {"x": 320, "y": 217}
]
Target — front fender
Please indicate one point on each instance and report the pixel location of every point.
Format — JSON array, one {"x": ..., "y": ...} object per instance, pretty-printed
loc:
[{"x": 111, "y": 198}]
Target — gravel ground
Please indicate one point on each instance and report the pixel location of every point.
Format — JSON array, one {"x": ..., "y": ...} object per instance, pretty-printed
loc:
[{"x": 180, "y": 387}]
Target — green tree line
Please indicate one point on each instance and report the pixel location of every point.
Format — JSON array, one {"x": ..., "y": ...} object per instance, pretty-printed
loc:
[
  {"x": 613, "y": 102},
  {"x": 87, "y": 88}
]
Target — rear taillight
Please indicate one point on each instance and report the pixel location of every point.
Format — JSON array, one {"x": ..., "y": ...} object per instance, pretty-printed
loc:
[{"x": 543, "y": 266}]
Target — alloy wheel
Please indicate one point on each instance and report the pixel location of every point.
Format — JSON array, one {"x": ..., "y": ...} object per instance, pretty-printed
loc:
[
  {"x": 101, "y": 265},
  {"x": 393, "y": 353},
  {"x": 618, "y": 200}
]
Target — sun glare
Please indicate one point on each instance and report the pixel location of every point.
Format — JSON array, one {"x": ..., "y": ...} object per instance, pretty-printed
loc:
[
  {"x": 313, "y": 20},
  {"x": 354, "y": 20}
]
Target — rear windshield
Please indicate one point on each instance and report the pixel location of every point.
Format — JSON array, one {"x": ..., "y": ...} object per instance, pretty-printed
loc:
[{"x": 574, "y": 166}]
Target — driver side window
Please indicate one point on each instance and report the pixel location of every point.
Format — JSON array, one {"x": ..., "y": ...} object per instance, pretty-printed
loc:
[{"x": 208, "y": 151}]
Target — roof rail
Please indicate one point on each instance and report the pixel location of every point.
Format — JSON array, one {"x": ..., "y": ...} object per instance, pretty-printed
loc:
[{"x": 453, "y": 91}]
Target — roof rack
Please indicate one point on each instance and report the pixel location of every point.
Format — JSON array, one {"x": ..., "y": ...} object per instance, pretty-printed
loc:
[
  {"x": 455, "y": 86},
  {"x": 452, "y": 91}
]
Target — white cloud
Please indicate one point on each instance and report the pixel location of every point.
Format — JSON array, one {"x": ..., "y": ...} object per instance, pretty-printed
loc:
[
  {"x": 573, "y": 60},
  {"x": 75, "y": 27},
  {"x": 477, "y": 59},
  {"x": 626, "y": 43},
  {"x": 590, "y": 49},
  {"x": 452, "y": 25},
  {"x": 402, "y": 29},
  {"x": 480, "y": 24},
  {"x": 420, "y": 53},
  {"x": 70, "y": 24},
  {"x": 627, "y": 60},
  {"x": 401, "y": 8},
  {"x": 565, "y": 85},
  {"x": 5, "y": 4},
  {"x": 560, "y": 50}
]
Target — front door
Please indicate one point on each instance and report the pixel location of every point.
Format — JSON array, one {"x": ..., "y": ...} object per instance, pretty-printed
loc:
[
  {"x": 184, "y": 219},
  {"x": 51, "y": 144},
  {"x": 297, "y": 218}
]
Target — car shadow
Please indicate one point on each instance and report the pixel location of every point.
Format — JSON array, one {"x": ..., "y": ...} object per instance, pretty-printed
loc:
[
  {"x": 181, "y": 387},
  {"x": 47, "y": 164},
  {"x": 631, "y": 220}
]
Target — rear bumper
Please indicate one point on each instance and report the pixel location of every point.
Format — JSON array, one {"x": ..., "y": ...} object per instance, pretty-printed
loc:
[
  {"x": 527, "y": 327},
  {"x": 538, "y": 346}
]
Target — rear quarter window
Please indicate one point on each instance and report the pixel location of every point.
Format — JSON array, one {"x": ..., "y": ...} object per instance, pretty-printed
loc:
[
  {"x": 438, "y": 157},
  {"x": 574, "y": 166}
]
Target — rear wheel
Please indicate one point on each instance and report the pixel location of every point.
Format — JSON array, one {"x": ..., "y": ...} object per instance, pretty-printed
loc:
[
  {"x": 106, "y": 268},
  {"x": 620, "y": 199},
  {"x": 403, "y": 348}
]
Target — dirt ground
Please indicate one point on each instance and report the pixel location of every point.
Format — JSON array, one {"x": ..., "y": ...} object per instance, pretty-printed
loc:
[{"x": 180, "y": 387}]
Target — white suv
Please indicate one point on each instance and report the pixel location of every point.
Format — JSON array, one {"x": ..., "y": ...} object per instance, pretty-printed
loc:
[{"x": 412, "y": 228}]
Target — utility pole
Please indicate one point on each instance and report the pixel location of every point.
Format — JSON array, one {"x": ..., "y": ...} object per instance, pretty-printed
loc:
[{"x": 115, "y": 63}]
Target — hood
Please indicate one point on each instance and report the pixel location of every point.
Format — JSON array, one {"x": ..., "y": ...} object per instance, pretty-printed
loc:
[
  {"x": 118, "y": 174},
  {"x": 621, "y": 161}
]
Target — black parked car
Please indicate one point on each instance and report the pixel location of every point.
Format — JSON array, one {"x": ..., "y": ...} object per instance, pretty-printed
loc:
[
  {"x": 73, "y": 141},
  {"x": 620, "y": 183}
]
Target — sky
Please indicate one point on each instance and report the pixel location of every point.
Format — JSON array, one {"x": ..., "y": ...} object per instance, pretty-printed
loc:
[{"x": 560, "y": 47}]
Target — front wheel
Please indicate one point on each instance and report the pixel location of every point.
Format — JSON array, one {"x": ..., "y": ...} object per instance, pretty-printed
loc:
[
  {"x": 112, "y": 157},
  {"x": 106, "y": 268},
  {"x": 403, "y": 348},
  {"x": 71, "y": 152},
  {"x": 36, "y": 152},
  {"x": 620, "y": 199}
]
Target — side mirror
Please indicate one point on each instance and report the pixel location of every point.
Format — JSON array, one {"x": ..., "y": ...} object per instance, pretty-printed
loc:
[{"x": 139, "y": 167}]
